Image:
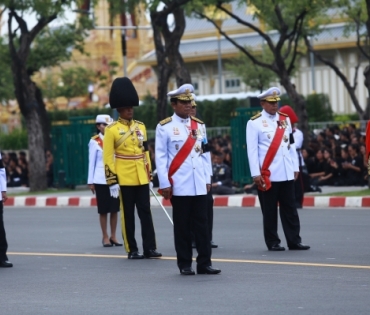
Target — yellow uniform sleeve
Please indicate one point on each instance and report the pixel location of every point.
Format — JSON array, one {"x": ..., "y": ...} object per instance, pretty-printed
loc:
[
  {"x": 108, "y": 157},
  {"x": 147, "y": 153}
]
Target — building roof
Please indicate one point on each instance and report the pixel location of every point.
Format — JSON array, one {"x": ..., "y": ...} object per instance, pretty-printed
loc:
[{"x": 206, "y": 48}]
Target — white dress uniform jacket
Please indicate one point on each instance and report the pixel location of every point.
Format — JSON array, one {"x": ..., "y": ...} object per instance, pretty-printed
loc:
[
  {"x": 2, "y": 180},
  {"x": 194, "y": 174},
  {"x": 96, "y": 174},
  {"x": 260, "y": 132}
]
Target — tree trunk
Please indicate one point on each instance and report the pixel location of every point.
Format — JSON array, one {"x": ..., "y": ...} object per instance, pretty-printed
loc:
[
  {"x": 366, "y": 114},
  {"x": 172, "y": 41},
  {"x": 169, "y": 59},
  {"x": 25, "y": 93},
  {"x": 37, "y": 164},
  {"x": 44, "y": 118},
  {"x": 300, "y": 106},
  {"x": 164, "y": 70}
]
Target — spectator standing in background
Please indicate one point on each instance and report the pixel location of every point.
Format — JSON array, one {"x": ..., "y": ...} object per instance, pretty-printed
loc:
[
  {"x": 298, "y": 141},
  {"x": 98, "y": 184}
]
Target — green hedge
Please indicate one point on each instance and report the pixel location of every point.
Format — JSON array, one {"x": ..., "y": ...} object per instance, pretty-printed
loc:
[
  {"x": 15, "y": 140},
  {"x": 317, "y": 105}
]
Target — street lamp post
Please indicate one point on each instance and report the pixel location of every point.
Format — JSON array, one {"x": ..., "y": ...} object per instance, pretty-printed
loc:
[
  {"x": 218, "y": 16},
  {"x": 123, "y": 39},
  {"x": 312, "y": 64},
  {"x": 219, "y": 60},
  {"x": 123, "y": 34}
]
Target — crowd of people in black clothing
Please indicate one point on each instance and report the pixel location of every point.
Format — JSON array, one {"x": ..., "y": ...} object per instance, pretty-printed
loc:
[
  {"x": 336, "y": 157},
  {"x": 17, "y": 170}
]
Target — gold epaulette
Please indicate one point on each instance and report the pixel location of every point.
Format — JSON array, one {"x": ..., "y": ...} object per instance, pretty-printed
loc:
[
  {"x": 94, "y": 137},
  {"x": 112, "y": 124},
  {"x": 196, "y": 119},
  {"x": 165, "y": 121},
  {"x": 139, "y": 122},
  {"x": 256, "y": 116},
  {"x": 283, "y": 114}
]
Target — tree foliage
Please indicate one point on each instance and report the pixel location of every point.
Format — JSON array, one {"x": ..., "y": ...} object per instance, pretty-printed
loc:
[
  {"x": 74, "y": 82},
  {"x": 356, "y": 13},
  {"x": 30, "y": 48},
  {"x": 252, "y": 75},
  {"x": 281, "y": 25}
]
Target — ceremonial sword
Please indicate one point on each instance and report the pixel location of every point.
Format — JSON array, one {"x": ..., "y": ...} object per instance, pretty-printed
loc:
[{"x": 156, "y": 198}]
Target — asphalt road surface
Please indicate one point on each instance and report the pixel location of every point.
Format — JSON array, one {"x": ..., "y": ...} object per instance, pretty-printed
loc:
[{"x": 60, "y": 267}]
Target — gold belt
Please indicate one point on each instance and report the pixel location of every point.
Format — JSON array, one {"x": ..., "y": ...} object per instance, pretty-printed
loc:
[{"x": 129, "y": 157}]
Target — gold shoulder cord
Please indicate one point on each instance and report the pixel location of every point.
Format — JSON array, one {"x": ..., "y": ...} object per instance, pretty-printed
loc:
[{"x": 125, "y": 136}]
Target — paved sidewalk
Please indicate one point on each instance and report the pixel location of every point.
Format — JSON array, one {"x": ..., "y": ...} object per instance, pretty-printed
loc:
[{"x": 82, "y": 197}]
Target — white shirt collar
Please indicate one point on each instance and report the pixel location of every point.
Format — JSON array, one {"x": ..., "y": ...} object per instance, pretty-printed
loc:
[
  {"x": 101, "y": 136},
  {"x": 179, "y": 119},
  {"x": 266, "y": 114}
]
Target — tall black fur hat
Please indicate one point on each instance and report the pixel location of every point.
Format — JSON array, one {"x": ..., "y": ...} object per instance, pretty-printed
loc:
[{"x": 123, "y": 94}]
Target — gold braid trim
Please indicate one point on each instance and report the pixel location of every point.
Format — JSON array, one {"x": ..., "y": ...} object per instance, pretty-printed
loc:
[{"x": 110, "y": 176}]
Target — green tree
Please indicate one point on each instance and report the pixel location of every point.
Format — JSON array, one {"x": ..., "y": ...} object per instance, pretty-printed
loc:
[
  {"x": 74, "y": 82},
  {"x": 357, "y": 16},
  {"x": 252, "y": 75},
  {"x": 282, "y": 25},
  {"x": 33, "y": 48}
]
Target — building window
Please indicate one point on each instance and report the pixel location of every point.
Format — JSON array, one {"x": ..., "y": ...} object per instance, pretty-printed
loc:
[
  {"x": 196, "y": 87},
  {"x": 232, "y": 85}
]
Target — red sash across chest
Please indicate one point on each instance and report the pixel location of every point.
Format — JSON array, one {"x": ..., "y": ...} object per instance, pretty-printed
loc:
[
  {"x": 183, "y": 153},
  {"x": 271, "y": 152}
]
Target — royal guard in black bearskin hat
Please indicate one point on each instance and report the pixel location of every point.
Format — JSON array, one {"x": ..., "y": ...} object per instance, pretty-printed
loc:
[{"x": 128, "y": 169}]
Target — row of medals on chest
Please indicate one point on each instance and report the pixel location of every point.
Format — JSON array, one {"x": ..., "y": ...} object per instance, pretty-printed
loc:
[
  {"x": 195, "y": 134},
  {"x": 139, "y": 135},
  {"x": 281, "y": 125}
]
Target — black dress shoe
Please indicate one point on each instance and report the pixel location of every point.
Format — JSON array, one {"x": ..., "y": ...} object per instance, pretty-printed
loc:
[
  {"x": 106, "y": 245},
  {"x": 187, "y": 271},
  {"x": 276, "y": 248},
  {"x": 5, "y": 264},
  {"x": 208, "y": 271},
  {"x": 114, "y": 243},
  {"x": 135, "y": 255},
  {"x": 299, "y": 246},
  {"x": 213, "y": 244},
  {"x": 152, "y": 253}
]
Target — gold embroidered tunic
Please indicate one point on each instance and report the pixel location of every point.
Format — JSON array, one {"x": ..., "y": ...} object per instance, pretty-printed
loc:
[{"x": 125, "y": 153}]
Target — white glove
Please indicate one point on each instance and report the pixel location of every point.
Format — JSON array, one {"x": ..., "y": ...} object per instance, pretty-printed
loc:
[
  {"x": 114, "y": 190},
  {"x": 151, "y": 185}
]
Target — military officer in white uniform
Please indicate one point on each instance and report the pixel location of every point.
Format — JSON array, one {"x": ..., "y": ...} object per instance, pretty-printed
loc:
[
  {"x": 184, "y": 178},
  {"x": 275, "y": 179},
  {"x": 98, "y": 184}
]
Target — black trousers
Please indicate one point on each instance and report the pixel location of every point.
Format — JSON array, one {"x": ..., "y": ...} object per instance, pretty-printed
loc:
[
  {"x": 210, "y": 202},
  {"x": 282, "y": 193},
  {"x": 190, "y": 214},
  {"x": 137, "y": 196},
  {"x": 3, "y": 242},
  {"x": 299, "y": 188}
]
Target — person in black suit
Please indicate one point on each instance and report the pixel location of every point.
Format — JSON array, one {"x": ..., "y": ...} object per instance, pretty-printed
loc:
[{"x": 4, "y": 263}]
